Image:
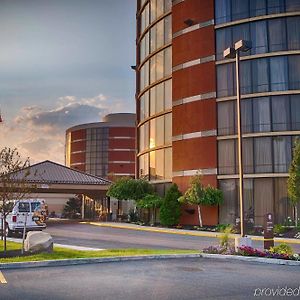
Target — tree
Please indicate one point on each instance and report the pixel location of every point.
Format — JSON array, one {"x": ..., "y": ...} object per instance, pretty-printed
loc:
[
  {"x": 13, "y": 185},
  {"x": 72, "y": 208},
  {"x": 150, "y": 202},
  {"x": 170, "y": 208},
  {"x": 199, "y": 195},
  {"x": 293, "y": 183},
  {"x": 127, "y": 188}
]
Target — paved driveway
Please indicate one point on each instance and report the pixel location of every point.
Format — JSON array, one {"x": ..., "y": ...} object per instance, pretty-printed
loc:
[{"x": 172, "y": 279}]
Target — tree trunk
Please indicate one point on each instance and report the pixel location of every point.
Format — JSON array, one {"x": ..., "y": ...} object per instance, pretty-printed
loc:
[
  {"x": 296, "y": 215},
  {"x": 4, "y": 240},
  {"x": 199, "y": 216}
]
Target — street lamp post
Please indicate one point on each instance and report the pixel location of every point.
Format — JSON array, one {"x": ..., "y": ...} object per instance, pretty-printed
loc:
[{"x": 242, "y": 46}]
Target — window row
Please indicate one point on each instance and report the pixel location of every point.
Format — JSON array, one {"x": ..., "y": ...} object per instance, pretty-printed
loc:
[
  {"x": 261, "y": 196},
  {"x": 279, "y": 73},
  {"x": 99, "y": 170},
  {"x": 260, "y": 155},
  {"x": 97, "y": 155},
  {"x": 156, "y": 165},
  {"x": 156, "y": 132},
  {"x": 153, "y": 10},
  {"x": 156, "y": 100},
  {"x": 97, "y": 133},
  {"x": 263, "y": 114},
  {"x": 232, "y": 10},
  {"x": 159, "y": 35},
  {"x": 278, "y": 34},
  {"x": 158, "y": 67}
]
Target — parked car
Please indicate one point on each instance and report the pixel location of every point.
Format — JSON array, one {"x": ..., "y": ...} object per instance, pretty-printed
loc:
[{"x": 33, "y": 211}]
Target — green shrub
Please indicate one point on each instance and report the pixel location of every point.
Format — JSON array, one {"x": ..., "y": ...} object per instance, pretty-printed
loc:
[
  {"x": 224, "y": 237},
  {"x": 221, "y": 227},
  {"x": 282, "y": 249},
  {"x": 170, "y": 209},
  {"x": 279, "y": 229}
]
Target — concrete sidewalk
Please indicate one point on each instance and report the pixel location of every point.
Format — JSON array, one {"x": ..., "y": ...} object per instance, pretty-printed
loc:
[{"x": 183, "y": 231}]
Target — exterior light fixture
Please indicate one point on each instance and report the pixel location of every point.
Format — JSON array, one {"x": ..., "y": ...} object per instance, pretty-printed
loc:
[{"x": 239, "y": 46}]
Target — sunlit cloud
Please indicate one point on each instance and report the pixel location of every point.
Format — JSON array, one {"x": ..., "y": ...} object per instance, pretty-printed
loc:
[{"x": 40, "y": 134}]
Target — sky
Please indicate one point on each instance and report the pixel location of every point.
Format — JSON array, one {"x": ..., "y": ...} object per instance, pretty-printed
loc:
[{"x": 62, "y": 63}]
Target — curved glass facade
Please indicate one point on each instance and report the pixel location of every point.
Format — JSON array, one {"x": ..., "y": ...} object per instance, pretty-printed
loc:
[
  {"x": 270, "y": 88},
  {"x": 154, "y": 99}
]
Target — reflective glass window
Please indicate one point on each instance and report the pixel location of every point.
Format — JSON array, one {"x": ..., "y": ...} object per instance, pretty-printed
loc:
[
  {"x": 246, "y": 115},
  {"x": 277, "y": 34},
  {"x": 224, "y": 40},
  {"x": 167, "y": 62},
  {"x": 159, "y": 131},
  {"x": 295, "y": 111},
  {"x": 282, "y": 153},
  {"x": 261, "y": 114},
  {"x": 279, "y": 73},
  {"x": 152, "y": 165},
  {"x": 294, "y": 72},
  {"x": 257, "y": 7},
  {"x": 226, "y": 156},
  {"x": 240, "y": 9},
  {"x": 159, "y": 107},
  {"x": 159, "y": 164},
  {"x": 245, "y": 77},
  {"x": 159, "y": 34},
  {"x": 275, "y": 6},
  {"x": 280, "y": 113},
  {"x": 225, "y": 80},
  {"x": 241, "y": 32},
  {"x": 153, "y": 134},
  {"x": 262, "y": 151},
  {"x": 292, "y": 5},
  {"x": 152, "y": 101},
  {"x": 260, "y": 75},
  {"x": 168, "y": 29},
  {"x": 248, "y": 155},
  {"x": 168, "y": 129},
  {"x": 159, "y": 65},
  {"x": 222, "y": 11},
  {"x": 226, "y": 113},
  {"x": 259, "y": 37},
  {"x": 168, "y": 94},
  {"x": 293, "y": 32},
  {"x": 168, "y": 163}
]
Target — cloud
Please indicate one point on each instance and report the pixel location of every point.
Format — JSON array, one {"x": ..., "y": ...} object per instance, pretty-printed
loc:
[{"x": 40, "y": 134}]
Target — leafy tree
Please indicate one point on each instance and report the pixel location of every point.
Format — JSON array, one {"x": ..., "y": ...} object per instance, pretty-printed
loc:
[
  {"x": 293, "y": 183},
  {"x": 199, "y": 195},
  {"x": 13, "y": 185},
  {"x": 127, "y": 188},
  {"x": 170, "y": 208},
  {"x": 150, "y": 202},
  {"x": 72, "y": 208}
]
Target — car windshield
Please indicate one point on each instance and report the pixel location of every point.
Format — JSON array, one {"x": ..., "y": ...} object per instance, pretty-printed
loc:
[
  {"x": 35, "y": 206},
  {"x": 24, "y": 207}
]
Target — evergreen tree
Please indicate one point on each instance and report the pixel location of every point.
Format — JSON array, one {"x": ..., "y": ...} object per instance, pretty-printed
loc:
[
  {"x": 294, "y": 179},
  {"x": 170, "y": 208}
]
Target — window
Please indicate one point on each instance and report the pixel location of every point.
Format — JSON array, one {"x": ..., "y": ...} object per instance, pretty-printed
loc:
[
  {"x": 257, "y": 8},
  {"x": 262, "y": 154},
  {"x": 226, "y": 154},
  {"x": 293, "y": 31},
  {"x": 280, "y": 113},
  {"x": 168, "y": 163},
  {"x": 159, "y": 131},
  {"x": 24, "y": 207},
  {"x": 226, "y": 117},
  {"x": 275, "y": 6},
  {"x": 279, "y": 73},
  {"x": 261, "y": 114},
  {"x": 241, "y": 32},
  {"x": 168, "y": 129},
  {"x": 260, "y": 75},
  {"x": 168, "y": 94},
  {"x": 295, "y": 110},
  {"x": 229, "y": 208},
  {"x": 282, "y": 153},
  {"x": 248, "y": 155},
  {"x": 246, "y": 115},
  {"x": 159, "y": 164},
  {"x": 239, "y": 9},
  {"x": 245, "y": 77},
  {"x": 277, "y": 35},
  {"x": 225, "y": 80},
  {"x": 223, "y": 11},
  {"x": 294, "y": 69},
  {"x": 224, "y": 40},
  {"x": 292, "y": 5},
  {"x": 259, "y": 37}
]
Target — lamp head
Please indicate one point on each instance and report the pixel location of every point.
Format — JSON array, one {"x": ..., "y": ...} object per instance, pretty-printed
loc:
[
  {"x": 229, "y": 53},
  {"x": 242, "y": 45}
]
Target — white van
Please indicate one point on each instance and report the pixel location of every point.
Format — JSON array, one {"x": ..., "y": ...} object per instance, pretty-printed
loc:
[{"x": 33, "y": 210}]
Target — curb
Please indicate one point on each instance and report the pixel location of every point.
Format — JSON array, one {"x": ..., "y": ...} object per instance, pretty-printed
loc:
[
  {"x": 189, "y": 233},
  {"x": 84, "y": 261},
  {"x": 272, "y": 261}
]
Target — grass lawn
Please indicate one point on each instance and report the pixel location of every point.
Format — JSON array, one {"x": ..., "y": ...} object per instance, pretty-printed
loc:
[{"x": 63, "y": 253}]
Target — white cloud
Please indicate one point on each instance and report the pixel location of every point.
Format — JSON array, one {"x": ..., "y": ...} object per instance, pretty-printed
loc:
[{"x": 40, "y": 134}]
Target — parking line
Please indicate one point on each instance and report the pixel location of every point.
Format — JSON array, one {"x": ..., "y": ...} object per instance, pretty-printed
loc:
[{"x": 2, "y": 278}]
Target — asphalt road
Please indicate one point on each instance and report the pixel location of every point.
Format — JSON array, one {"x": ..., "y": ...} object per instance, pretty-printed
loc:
[
  {"x": 108, "y": 238},
  {"x": 170, "y": 279}
]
